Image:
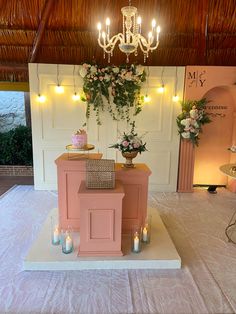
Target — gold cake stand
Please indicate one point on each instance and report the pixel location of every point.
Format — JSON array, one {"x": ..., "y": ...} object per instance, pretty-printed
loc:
[{"x": 72, "y": 149}]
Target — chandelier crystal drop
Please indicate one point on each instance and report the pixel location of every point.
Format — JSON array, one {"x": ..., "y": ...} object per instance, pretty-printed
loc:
[{"x": 131, "y": 38}]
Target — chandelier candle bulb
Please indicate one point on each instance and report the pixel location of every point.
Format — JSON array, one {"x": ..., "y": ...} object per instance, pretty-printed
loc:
[
  {"x": 139, "y": 22},
  {"x": 153, "y": 24}
]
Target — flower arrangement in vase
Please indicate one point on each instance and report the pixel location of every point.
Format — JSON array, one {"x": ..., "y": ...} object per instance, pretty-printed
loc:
[{"x": 130, "y": 144}]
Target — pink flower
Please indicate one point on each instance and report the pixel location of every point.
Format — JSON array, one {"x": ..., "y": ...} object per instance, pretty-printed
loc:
[
  {"x": 95, "y": 78},
  {"x": 136, "y": 145},
  {"x": 125, "y": 143},
  {"x": 100, "y": 78}
]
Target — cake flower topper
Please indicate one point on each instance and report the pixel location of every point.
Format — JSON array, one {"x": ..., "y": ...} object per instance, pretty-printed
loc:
[{"x": 80, "y": 131}]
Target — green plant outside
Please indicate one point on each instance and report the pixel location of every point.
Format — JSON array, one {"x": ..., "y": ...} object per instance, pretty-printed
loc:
[{"x": 16, "y": 147}]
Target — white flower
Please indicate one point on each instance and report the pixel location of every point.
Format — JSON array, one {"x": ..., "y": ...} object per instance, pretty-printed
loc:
[
  {"x": 139, "y": 70},
  {"x": 185, "y": 134},
  {"x": 106, "y": 77},
  {"x": 83, "y": 72},
  {"x": 193, "y": 113},
  {"x": 115, "y": 70},
  {"x": 196, "y": 125},
  {"x": 186, "y": 122},
  {"x": 93, "y": 70}
]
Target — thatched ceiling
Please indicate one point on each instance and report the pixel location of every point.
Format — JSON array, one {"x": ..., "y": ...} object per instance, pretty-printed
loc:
[{"x": 194, "y": 32}]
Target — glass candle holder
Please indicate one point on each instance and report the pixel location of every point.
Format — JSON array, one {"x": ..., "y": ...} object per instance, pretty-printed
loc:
[
  {"x": 146, "y": 230},
  {"x": 67, "y": 243},
  {"x": 136, "y": 240},
  {"x": 55, "y": 231}
]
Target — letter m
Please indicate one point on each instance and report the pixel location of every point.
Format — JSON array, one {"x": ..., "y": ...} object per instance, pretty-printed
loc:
[{"x": 191, "y": 76}]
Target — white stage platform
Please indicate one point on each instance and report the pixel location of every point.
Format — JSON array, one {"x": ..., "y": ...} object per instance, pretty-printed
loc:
[{"x": 160, "y": 253}]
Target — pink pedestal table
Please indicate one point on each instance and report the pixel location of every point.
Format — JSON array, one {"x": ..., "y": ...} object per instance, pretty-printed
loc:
[
  {"x": 134, "y": 180},
  {"x": 100, "y": 220}
]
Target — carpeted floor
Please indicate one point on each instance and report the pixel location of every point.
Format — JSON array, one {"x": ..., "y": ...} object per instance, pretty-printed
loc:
[{"x": 196, "y": 222}]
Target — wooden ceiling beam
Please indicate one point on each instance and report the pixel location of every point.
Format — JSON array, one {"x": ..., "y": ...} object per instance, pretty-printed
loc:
[
  {"x": 41, "y": 28},
  {"x": 13, "y": 67}
]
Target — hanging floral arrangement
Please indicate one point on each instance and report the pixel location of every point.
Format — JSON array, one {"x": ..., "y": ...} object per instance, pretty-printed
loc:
[
  {"x": 115, "y": 88},
  {"x": 191, "y": 119}
]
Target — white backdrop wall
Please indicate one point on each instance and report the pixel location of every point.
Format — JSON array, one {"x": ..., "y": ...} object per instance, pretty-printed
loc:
[{"x": 54, "y": 121}]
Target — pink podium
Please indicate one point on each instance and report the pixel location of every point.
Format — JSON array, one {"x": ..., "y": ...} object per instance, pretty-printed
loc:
[
  {"x": 70, "y": 172},
  {"x": 100, "y": 220},
  {"x": 134, "y": 180}
]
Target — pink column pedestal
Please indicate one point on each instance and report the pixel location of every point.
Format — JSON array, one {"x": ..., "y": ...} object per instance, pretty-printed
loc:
[
  {"x": 70, "y": 172},
  {"x": 186, "y": 166},
  {"x": 231, "y": 185},
  {"x": 100, "y": 220},
  {"x": 135, "y": 182}
]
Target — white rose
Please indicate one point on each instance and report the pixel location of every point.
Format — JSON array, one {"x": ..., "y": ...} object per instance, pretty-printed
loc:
[
  {"x": 139, "y": 70},
  {"x": 115, "y": 70},
  {"x": 185, "y": 134},
  {"x": 106, "y": 77},
  {"x": 193, "y": 113},
  {"x": 83, "y": 72},
  {"x": 196, "y": 125},
  {"x": 186, "y": 122},
  {"x": 93, "y": 70}
]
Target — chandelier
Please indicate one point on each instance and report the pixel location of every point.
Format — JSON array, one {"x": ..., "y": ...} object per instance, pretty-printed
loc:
[{"x": 131, "y": 38}]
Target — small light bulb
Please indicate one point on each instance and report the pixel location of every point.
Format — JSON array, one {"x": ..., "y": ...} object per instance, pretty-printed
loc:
[
  {"x": 108, "y": 22},
  {"x": 99, "y": 26},
  {"x": 139, "y": 20},
  {"x": 161, "y": 89},
  {"x": 150, "y": 35},
  {"x": 147, "y": 98},
  {"x": 76, "y": 97},
  {"x": 153, "y": 23},
  {"x": 158, "y": 29},
  {"x": 41, "y": 98},
  {"x": 175, "y": 98},
  {"x": 59, "y": 89}
]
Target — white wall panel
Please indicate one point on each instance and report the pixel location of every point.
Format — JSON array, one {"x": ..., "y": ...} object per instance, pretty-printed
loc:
[{"x": 54, "y": 121}]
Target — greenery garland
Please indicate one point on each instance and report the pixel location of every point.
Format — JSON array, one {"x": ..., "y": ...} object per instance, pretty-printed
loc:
[
  {"x": 191, "y": 119},
  {"x": 119, "y": 85}
]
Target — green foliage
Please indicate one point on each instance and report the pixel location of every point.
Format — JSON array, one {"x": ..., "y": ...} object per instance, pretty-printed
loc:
[
  {"x": 120, "y": 86},
  {"x": 192, "y": 118},
  {"x": 16, "y": 147}
]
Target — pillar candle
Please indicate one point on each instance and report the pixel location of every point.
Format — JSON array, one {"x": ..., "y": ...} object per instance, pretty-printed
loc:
[
  {"x": 68, "y": 243},
  {"x": 136, "y": 243},
  {"x": 145, "y": 234},
  {"x": 56, "y": 235}
]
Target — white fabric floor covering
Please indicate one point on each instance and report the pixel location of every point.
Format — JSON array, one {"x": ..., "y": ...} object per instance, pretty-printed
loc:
[{"x": 196, "y": 222}]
